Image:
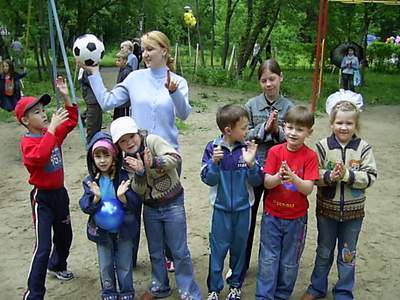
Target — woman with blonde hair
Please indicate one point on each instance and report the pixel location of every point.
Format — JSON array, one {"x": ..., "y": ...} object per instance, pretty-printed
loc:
[{"x": 157, "y": 95}]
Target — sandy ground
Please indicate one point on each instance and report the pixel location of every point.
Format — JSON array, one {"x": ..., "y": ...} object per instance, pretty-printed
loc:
[{"x": 378, "y": 264}]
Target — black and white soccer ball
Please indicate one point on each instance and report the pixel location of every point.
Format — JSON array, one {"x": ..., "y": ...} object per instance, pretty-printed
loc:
[{"x": 88, "y": 49}]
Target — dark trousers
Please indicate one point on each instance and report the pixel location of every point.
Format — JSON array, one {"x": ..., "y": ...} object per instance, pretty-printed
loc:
[
  {"x": 50, "y": 210},
  {"x": 259, "y": 191},
  {"x": 121, "y": 112},
  {"x": 348, "y": 81},
  {"x": 94, "y": 120}
]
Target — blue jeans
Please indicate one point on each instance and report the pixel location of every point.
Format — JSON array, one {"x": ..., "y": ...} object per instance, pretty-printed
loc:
[
  {"x": 281, "y": 245},
  {"x": 115, "y": 258},
  {"x": 167, "y": 225},
  {"x": 346, "y": 233}
]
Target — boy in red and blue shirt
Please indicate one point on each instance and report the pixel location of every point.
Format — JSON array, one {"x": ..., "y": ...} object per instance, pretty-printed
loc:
[
  {"x": 41, "y": 155},
  {"x": 290, "y": 171}
]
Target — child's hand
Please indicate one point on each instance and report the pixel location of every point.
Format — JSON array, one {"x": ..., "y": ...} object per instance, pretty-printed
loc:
[
  {"x": 61, "y": 86},
  {"x": 59, "y": 117},
  {"x": 218, "y": 154},
  {"x": 249, "y": 154},
  {"x": 171, "y": 85},
  {"x": 136, "y": 164},
  {"x": 338, "y": 172},
  {"x": 286, "y": 174},
  {"x": 123, "y": 187},
  {"x": 148, "y": 158},
  {"x": 95, "y": 189},
  {"x": 271, "y": 123}
]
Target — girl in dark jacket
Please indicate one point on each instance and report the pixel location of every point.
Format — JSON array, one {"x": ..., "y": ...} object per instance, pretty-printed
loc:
[
  {"x": 106, "y": 182},
  {"x": 10, "y": 86}
]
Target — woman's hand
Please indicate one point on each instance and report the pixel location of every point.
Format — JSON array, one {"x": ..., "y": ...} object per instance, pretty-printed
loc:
[
  {"x": 171, "y": 85},
  {"x": 90, "y": 69}
]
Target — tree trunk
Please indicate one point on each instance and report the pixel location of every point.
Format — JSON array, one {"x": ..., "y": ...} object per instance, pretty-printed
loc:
[
  {"x": 367, "y": 22},
  {"x": 229, "y": 13},
  {"x": 258, "y": 27},
  {"x": 212, "y": 32},
  {"x": 36, "y": 53},
  {"x": 247, "y": 31},
  {"x": 265, "y": 40},
  {"x": 43, "y": 37},
  {"x": 203, "y": 63}
]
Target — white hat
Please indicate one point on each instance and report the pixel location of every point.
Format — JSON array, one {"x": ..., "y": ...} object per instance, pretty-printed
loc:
[
  {"x": 344, "y": 95},
  {"x": 122, "y": 126}
]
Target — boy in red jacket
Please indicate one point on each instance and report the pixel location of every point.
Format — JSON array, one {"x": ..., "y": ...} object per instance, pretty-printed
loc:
[{"x": 41, "y": 155}]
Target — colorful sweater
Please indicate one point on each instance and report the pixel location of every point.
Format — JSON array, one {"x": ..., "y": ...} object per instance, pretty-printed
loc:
[
  {"x": 344, "y": 200},
  {"x": 41, "y": 154},
  {"x": 160, "y": 183}
]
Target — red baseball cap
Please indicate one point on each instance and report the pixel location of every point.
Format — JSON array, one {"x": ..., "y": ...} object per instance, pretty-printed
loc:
[{"x": 27, "y": 102}]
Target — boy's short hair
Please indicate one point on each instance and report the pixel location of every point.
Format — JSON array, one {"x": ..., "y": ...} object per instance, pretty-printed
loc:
[
  {"x": 27, "y": 102},
  {"x": 300, "y": 115},
  {"x": 123, "y": 54},
  {"x": 228, "y": 115}
]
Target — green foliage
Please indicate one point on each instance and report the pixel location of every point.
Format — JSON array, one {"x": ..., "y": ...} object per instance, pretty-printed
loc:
[{"x": 383, "y": 56}]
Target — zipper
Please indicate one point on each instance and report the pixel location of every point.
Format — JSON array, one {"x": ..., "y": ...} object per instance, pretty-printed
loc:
[{"x": 342, "y": 185}]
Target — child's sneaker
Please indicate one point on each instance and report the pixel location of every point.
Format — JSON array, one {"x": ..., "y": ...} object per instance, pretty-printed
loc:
[
  {"x": 234, "y": 294},
  {"x": 213, "y": 296},
  {"x": 62, "y": 275},
  {"x": 169, "y": 264}
]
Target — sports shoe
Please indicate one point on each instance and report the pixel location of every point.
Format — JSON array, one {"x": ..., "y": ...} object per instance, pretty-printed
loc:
[
  {"x": 213, "y": 296},
  {"x": 169, "y": 264},
  {"x": 62, "y": 275},
  {"x": 234, "y": 294}
]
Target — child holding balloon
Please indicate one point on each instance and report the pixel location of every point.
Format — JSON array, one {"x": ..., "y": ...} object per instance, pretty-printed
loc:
[{"x": 113, "y": 224}]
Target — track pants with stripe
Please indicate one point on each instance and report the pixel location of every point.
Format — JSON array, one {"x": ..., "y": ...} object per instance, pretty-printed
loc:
[
  {"x": 229, "y": 232},
  {"x": 50, "y": 209}
]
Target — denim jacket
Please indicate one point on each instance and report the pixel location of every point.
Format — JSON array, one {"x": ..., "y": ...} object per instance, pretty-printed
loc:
[{"x": 259, "y": 111}]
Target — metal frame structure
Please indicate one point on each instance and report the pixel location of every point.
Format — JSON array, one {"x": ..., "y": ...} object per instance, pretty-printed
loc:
[{"x": 322, "y": 28}]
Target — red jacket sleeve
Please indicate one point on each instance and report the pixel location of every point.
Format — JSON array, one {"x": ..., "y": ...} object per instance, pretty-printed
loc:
[{"x": 67, "y": 126}]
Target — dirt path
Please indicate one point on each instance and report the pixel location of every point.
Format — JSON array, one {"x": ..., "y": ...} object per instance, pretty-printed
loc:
[{"x": 378, "y": 270}]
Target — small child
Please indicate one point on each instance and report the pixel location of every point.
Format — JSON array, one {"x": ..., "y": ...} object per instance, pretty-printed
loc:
[
  {"x": 290, "y": 171},
  {"x": 153, "y": 164},
  {"x": 347, "y": 168},
  {"x": 230, "y": 168},
  {"x": 41, "y": 155},
  {"x": 93, "y": 113},
  {"x": 124, "y": 69},
  {"x": 132, "y": 59},
  {"x": 10, "y": 86},
  {"x": 114, "y": 247}
]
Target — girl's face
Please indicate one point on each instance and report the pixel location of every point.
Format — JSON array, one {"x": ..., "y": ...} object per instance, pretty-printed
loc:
[
  {"x": 6, "y": 68},
  {"x": 103, "y": 160},
  {"x": 154, "y": 55},
  {"x": 344, "y": 126},
  {"x": 271, "y": 84},
  {"x": 130, "y": 143}
]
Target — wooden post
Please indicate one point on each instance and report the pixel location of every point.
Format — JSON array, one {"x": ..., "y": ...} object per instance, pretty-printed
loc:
[
  {"x": 231, "y": 59},
  {"x": 196, "y": 58},
  {"x": 176, "y": 56},
  {"x": 190, "y": 52}
]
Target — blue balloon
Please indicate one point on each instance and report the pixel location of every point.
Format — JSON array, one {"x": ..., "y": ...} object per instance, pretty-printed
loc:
[{"x": 110, "y": 215}]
